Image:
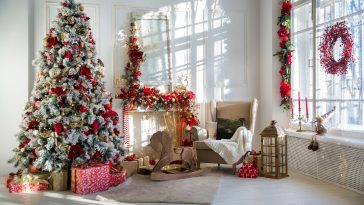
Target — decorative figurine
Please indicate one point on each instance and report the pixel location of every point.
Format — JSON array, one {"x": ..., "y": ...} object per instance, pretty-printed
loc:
[{"x": 320, "y": 129}]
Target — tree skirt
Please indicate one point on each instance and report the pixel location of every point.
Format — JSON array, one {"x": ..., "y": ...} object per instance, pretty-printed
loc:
[{"x": 140, "y": 189}]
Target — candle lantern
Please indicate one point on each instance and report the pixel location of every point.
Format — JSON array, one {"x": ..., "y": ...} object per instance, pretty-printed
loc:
[{"x": 274, "y": 152}]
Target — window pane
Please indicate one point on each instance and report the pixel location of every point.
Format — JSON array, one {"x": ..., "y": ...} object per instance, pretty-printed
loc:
[
  {"x": 302, "y": 72},
  {"x": 343, "y": 91},
  {"x": 352, "y": 6},
  {"x": 324, "y": 11},
  {"x": 302, "y": 17}
]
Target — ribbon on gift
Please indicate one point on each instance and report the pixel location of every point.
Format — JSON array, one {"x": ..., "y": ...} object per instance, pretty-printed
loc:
[
  {"x": 89, "y": 164},
  {"x": 116, "y": 169},
  {"x": 30, "y": 178},
  {"x": 11, "y": 176}
]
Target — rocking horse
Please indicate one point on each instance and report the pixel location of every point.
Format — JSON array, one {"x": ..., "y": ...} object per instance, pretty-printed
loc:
[{"x": 175, "y": 162}]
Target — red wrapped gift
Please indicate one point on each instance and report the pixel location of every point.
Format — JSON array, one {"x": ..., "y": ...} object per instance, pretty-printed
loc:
[
  {"x": 90, "y": 178},
  {"x": 248, "y": 171},
  {"x": 25, "y": 184},
  {"x": 117, "y": 176}
]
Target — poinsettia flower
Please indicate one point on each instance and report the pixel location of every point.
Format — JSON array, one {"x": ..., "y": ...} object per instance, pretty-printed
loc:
[
  {"x": 167, "y": 97},
  {"x": 57, "y": 91},
  {"x": 58, "y": 128},
  {"x": 75, "y": 151},
  {"x": 282, "y": 44},
  {"x": 51, "y": 41},
  {"x": 67, "y": 54},
  {"x": 283, "y": 32},
  {"x": 136, "y": 55},
  {"x": 85, "y": 71},
  {"x": 285, "y": 89},
  {"x": 95, "y": 126},
  {"x": 286, "y": 7},
  {"x": 282, "y": 71}
]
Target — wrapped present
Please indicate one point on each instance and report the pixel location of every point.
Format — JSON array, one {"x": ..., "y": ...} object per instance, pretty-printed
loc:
[
  {"x": 255, "y": 158},
  {"x": 248, "y": 171},
  {"x": 117, "y": 175},
  {"x": 90, "y": 178},
  {"x": 25, "y": 187},
  {"x": 58, "y": 180},
  {"x": 27, "y": 182},
  {"x": 131, "y": 167}
]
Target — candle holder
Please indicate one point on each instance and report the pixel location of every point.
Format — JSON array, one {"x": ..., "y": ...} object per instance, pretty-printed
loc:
[{"x": 300, "y": 118}]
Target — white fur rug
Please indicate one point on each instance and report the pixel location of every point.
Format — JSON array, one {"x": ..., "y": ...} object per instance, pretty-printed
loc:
[{"x": 140, "y": 189}]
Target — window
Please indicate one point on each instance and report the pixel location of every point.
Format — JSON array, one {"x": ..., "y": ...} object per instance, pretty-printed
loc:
[{"x": 322, "y": 90}]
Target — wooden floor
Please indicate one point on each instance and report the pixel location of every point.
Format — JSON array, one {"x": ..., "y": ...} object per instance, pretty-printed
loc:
[{"x": 296, "y": 189}]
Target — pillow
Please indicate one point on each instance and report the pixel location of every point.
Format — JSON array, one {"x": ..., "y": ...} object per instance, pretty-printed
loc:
[{"x": 227, "y": 127}]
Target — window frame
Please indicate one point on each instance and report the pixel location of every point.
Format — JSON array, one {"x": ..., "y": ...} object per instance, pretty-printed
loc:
[{"x": 313, "y": 27}]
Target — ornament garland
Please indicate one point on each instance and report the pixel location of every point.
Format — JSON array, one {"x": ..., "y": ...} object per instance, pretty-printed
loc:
[
  {"x": 331, "y": 36},
  {"x": 133, "y": 94},
  {"x": 285, "y": 54}
]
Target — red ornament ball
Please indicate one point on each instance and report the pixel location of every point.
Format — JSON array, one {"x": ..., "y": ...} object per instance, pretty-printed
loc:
[{"x": 83, "y": 109}]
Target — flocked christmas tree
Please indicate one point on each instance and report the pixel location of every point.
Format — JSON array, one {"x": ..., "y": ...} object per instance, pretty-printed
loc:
[{"x": 68, "y": 118}]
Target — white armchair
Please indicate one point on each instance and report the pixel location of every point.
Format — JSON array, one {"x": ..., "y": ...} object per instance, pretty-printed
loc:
[{"x": 227, "y": 110}]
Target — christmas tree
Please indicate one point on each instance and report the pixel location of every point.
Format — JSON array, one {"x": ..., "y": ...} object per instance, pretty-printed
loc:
[{"x": 68, "y": 118}]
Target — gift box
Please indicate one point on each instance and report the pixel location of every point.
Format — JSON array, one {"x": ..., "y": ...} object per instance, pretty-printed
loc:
[
  {"x": 256, "y": 161},
  {"x": 131, "y": 167},
  {"x": 90, "y": 178},
  {"x": 25, "y": 187},
  {"x": 248, "y": 171},
  {"x": 117, "y": 176},
  {"x": 26, "y": 182},
  {"x": 58, "y": 180}
]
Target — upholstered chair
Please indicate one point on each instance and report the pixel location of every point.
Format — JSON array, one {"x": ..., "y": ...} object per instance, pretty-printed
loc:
[{"x": 227, "y": 110}]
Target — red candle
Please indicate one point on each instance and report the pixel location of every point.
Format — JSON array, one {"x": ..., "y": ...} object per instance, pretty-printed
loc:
[
  {"x": 306, "y": 108},
  {"x": 292, "y": 108},
  {"x": 299, "y": 100}
]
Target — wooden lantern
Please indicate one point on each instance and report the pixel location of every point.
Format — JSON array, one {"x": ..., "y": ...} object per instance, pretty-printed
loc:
[{"x": 274, "y": 152}]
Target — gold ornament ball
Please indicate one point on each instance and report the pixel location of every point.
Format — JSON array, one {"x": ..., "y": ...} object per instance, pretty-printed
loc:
[
  {"x": 82, "y": 8},
  {"x": 70, "y": 20}
]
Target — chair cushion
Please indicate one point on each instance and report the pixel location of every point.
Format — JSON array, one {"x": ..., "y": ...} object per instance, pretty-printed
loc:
[
  {"x": 227, "y": 127},
  {"x": 234, "y": 110}
]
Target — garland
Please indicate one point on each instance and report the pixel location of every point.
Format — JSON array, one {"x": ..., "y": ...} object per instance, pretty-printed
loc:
[
  {"x": 327, "y": 60},
  {"x": 285, "y": 54},
  {"x": 133, "y": 94}
]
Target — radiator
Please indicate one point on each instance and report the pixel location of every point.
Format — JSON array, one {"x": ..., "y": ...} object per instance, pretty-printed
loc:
[{"x": 333, "y": 163}]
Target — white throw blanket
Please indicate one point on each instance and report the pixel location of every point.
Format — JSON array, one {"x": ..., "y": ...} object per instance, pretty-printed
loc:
[{"x": 233, "y": 149}]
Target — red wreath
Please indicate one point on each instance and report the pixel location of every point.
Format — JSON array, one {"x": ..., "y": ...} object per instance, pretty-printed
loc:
[{"x": 331, "y": 35}]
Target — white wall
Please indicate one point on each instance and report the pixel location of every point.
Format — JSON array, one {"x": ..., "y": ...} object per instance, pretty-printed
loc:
[
  {"x": 269, "y": 77},
  {"x": 14, "y": 64}
]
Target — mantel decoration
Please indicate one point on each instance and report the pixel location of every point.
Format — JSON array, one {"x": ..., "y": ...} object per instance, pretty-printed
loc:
[
  {"x": 331, "y": 36},
  {"x": 285, "y": 54},
  {"x": 135, "y": 95}
]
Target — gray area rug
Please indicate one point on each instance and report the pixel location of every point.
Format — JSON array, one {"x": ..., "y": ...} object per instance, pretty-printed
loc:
[{"x": 140, "y": 189}]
